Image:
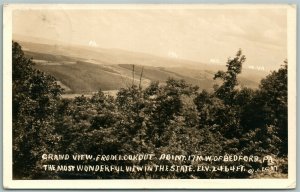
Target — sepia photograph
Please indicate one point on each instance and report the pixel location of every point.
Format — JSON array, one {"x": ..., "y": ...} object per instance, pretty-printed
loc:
[{"x": 149, "y": 96}]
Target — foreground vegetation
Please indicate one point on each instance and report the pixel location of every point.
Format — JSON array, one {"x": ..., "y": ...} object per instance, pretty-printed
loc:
[{"x": 174, "y": 118}]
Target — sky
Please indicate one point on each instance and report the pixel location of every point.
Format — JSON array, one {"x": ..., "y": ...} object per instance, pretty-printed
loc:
[{"x": 203, "y": 35}]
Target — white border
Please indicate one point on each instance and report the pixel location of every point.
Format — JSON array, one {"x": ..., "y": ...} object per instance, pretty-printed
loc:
[{"x": 149, "y": 183}]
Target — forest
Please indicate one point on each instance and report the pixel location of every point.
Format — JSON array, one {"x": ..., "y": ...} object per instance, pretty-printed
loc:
[{"x": 163, "y": 118}]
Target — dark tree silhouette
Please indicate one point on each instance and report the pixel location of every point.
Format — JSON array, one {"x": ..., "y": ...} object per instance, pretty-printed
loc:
[{"x": 35, "y": 95}]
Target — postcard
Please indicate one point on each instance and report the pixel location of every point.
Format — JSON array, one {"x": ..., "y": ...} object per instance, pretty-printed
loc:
[{"x": 149, "y": 96}]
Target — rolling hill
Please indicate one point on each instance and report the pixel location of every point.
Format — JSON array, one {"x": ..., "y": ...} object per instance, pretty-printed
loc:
[{"x": 83, "y": 70}]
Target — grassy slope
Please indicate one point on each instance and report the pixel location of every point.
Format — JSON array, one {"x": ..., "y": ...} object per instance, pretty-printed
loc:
[
  {"x": 84, "y": 77},
  {"x": 161, "y": 74}
]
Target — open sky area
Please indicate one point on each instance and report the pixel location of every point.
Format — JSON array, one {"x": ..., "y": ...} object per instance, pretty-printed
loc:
[{"x": 197, "y": 34}]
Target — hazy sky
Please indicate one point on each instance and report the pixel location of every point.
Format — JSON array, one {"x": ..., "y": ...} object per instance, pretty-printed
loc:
[{"x": 209, "y": 36}]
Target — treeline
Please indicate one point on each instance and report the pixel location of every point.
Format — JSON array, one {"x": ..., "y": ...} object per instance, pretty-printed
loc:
[{"x": 173, "y": 118}]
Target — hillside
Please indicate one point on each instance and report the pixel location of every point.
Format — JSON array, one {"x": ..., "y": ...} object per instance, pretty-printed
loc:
[{"x": 86, "y": 70}]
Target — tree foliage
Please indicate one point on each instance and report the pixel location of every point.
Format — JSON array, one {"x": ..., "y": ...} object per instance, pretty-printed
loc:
[
  {"x": 173, "y": 118},
  {"x": 234, "y": 67},
  {"x": 35, "y": 97}
]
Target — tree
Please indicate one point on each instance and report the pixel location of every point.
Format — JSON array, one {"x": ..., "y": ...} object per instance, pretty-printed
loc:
[
  {"x": 234, "y": 67},
  {"x": 35, "y": 96},
  {"x": 221, "y": 109},
  {"x": 273, "y": 94}
]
